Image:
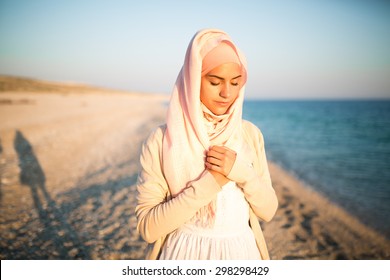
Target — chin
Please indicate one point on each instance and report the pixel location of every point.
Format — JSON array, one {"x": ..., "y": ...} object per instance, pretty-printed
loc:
[{"x": 219, "y": 111}]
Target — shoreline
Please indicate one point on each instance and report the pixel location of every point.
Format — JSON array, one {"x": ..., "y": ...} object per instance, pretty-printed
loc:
[
  {"x": 337, "y": 203},
  {"x": 313, "y": 227},
  {"x": 69, "y": 165}
]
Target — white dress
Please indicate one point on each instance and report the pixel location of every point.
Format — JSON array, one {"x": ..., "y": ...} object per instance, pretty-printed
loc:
[{"x": 230, "y": 236}]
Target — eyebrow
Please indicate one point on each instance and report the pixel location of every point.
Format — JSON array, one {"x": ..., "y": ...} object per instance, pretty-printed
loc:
[{"x": 215, "y": 76}]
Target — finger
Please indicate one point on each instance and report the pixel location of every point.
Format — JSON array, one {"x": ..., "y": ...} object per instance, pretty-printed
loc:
[
  {"x": 219, "y": 168},
  {"x": 213, "y": 167},
  {"x": 223, "y": 150},
  {"x": 229, "y": 150},
  {"x": 228, "y": 156},
  {"x": 218, "y": 149},
  {"x": 214, "y": 161},
  {"x": 215, "y": 154}
]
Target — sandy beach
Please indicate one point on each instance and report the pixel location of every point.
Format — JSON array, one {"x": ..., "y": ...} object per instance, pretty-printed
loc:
[{"x": 68, "y": 168}]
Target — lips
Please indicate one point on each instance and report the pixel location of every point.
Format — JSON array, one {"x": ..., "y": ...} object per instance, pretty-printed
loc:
[{"x": 223, "y": 104}]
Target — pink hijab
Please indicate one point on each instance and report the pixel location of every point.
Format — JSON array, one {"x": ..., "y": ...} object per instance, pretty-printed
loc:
[{"x": 187, "y": 138}]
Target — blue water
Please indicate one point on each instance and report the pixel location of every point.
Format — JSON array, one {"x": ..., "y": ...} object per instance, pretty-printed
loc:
[{"x": 339, "y": 148}]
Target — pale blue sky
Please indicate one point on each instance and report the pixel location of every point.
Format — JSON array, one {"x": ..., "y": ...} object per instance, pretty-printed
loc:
[{"x": 295, "y": 49}]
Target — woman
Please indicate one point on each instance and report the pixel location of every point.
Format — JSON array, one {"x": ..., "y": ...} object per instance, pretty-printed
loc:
[{"x": 204, "y": 180}]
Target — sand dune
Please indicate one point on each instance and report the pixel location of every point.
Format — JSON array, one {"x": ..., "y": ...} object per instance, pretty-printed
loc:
[
  {"x": 68, "y": 167},
  {"x": 12, "y": 84}
]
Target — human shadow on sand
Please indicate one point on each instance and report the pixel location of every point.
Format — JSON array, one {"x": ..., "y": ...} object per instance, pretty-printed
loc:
[
  {"x": 1, "y": 179},
  {"x": 56, "y": 228}
]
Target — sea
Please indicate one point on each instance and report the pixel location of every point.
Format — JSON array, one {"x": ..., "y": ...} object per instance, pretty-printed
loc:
[{"x": 340, "y": 148}]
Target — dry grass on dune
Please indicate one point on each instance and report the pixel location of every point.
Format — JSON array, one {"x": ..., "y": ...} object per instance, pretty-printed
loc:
[{"x": 12, "y": 84}]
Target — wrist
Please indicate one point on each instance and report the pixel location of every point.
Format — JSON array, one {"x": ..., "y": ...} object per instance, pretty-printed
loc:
[
  {"x": 220, "y": 178},
  {"x": 242, "y": 171}
]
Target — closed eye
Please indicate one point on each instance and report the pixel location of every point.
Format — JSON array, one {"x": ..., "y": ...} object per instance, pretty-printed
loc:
[{"x": 234, "y": 82}]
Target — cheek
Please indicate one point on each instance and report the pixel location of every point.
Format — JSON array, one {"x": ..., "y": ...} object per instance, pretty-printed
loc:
[
  {"x": 207, "y": 91},
  {"x": 203, "y": 93},
  {"x": 235, "y": 92}
]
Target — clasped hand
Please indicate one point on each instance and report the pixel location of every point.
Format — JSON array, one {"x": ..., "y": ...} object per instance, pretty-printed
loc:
[{"x": 219, "y": 161}]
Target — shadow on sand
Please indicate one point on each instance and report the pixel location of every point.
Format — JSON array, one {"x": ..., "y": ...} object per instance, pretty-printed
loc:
[
  {"x": 1, "y": 172},
  {"x": 55, "y": 226}
]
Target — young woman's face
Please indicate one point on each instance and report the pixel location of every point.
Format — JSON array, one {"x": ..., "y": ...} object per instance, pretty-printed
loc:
[{"x": 220, "y": 87}]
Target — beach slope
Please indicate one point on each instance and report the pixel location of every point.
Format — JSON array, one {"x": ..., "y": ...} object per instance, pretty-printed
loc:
[{"x": 68, "y": 168}]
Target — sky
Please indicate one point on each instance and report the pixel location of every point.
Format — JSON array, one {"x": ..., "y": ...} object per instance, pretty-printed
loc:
[{"x": 294, "y": 48}]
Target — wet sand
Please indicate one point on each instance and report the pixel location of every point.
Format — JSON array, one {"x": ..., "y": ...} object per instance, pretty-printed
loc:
[{"x": 68, "y": 168}]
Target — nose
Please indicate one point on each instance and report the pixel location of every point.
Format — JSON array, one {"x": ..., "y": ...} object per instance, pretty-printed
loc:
[{"x": 225, "y": 91}]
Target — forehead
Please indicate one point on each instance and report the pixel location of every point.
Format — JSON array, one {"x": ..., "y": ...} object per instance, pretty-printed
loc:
[{"x": 226, "y": 70}]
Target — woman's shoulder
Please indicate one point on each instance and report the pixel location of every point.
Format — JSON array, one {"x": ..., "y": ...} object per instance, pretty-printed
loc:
[
  {"x": 252, "y": 135},
  {"x": 251, "y": 129},
  {"x": 158, "y": 131},
  {"x": 156, "y": 136}
]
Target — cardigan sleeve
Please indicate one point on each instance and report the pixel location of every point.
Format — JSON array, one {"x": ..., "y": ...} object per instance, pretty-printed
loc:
[
  {"x": 250, "y": 171},
  {"x": 156, "y": 214}
]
